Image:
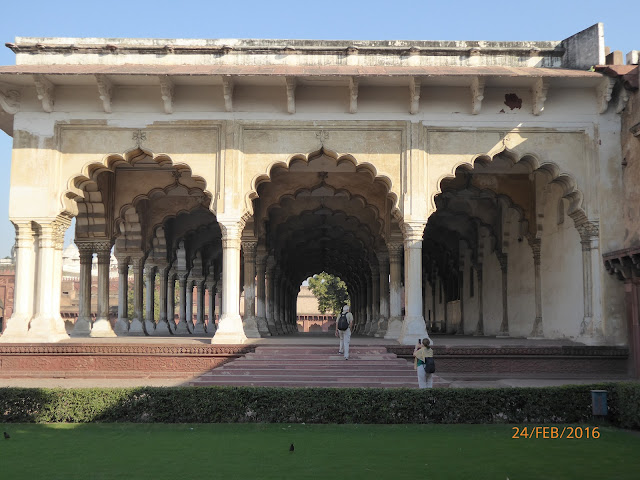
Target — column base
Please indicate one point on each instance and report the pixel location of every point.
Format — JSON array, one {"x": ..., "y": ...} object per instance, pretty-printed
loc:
[
  {"x": 536, "y": 331},
  {"x": 250, "y": 326},
  {"x": 122, "y": 327},
  {"x": 263, "y": 328},
  {"x": 182, "y": 329},
  {"x": 394, "y": 330},
  {"x": 413, "y": 329},
  {"x": 230, "y": 331},
  {"x": 136, "y": 328},
  {"x": 149, "y": 327},
  {"x": 162, "y": 329},
  {"x": 382, "y": 328},
  {"x": 272, "y": 328},
  {"x": 82, "y": 328},
  {"x": 46, "y": 329},
  {"x": 211, "y": 329},
  {"x": 16, "y": 329},
  {"x": 199, "y": 330},
  {"x": 102, "y": 328}
]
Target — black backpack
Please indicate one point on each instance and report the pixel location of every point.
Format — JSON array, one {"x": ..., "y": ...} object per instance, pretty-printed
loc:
[
  {"x": 429, "y": 365},
  {"x": 343, "y": 324}
]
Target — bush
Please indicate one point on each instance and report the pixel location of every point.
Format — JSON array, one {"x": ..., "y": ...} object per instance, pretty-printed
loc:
[{"x": 567, "y": 404}]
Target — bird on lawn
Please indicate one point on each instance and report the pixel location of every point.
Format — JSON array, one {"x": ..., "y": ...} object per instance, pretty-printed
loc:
[
  {"x": 291, "y": 448},
  {"x": 7, "y": 436}
]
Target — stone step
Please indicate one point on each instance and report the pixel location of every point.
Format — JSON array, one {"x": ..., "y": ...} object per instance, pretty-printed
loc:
[
  {"x": 291, "y": 373},
  {"x": 302, "y": 366}
]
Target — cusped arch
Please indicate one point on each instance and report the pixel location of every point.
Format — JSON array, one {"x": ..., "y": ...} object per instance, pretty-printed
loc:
[
  {"x": 340, "y": 159},
  {"x": 532, "y": 161}
]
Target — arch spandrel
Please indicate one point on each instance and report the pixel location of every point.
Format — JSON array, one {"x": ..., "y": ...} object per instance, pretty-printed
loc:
[{"x": 377, "y": 148}]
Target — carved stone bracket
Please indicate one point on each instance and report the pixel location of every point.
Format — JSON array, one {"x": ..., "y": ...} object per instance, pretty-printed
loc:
[
  {"x": 167, "y": 89},
  {"x": 539, "y": 94},
  {"x": 9, "y": 99},
  {"x": 477, "y": 94},
  {"x": 227, "y": 91},
  {"x": 105, "y": 89},
  {"x": 45, "y": 89},
  {"x": 414, "y": 95},
  {"x": 353, "y": 94},
  {"x": 623, "y": 99},
  {"x": 604, "y": 92},
  {"x": 624, "y": 264},
  {"x": 291, "y": 94}
]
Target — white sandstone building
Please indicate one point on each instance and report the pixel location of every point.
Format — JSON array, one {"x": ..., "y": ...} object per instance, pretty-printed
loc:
[{"x": 481, "y": 179}]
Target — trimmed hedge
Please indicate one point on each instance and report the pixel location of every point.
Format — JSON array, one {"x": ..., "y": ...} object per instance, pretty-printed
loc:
[{"x": 566, "y": 404}]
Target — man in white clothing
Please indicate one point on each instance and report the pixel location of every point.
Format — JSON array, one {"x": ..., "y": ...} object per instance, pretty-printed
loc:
[{"x": 345, "y": 335}]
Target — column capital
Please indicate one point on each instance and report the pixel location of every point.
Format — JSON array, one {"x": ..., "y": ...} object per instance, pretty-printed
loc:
[
  {"x": 536, "y": 248},
  {"x": 413, "y": 233},
  {"x": 24, "y": 233},
  {"x": 395, "y": 251},
  {"x": 249, "y": 248},
  {"x": 231, "y": 232},
  {"x": 123, "y": 264},
  {"x": 589, "y": 233}
]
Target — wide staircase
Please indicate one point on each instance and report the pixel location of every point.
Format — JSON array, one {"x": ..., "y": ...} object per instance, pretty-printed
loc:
[{"x": 311, "y": 366}]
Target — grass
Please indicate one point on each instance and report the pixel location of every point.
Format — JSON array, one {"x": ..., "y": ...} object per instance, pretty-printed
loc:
[{"x": 261, "y": 451}]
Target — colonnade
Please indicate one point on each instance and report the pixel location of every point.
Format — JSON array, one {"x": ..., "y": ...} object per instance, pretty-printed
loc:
[{"x": 270, "y": 296}]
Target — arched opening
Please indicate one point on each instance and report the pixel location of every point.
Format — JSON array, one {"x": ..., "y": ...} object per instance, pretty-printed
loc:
[
  {"x": 498, "y": 253},
  {"x": 155, "y": 218},
  {"x": 321, "y": 213}
]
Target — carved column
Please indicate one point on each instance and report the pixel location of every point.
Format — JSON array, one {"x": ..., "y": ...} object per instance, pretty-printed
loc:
[
  {"x": 480, "y": 327},
  {"x": 537, "y": 330},
  {"x": 46, "y": 326},
  {"x": 17, "y": 326},
  {"x": 150, "y": 285},
  {"x": 162, "y": 327},
  {"x": 261, "y": 313},
  {"x": 249, "y": 320},
  {"x": 102, "y": 325},
  {"x": 375, "y": 294},
  {"x": 230, "y": 328},
  {"x": 461, "y": 268},
  {"x": 504, "y": 266},
  {"x": 199, "y": 326},
  {"x": 211, "y": 325},
  {"x": 591, "y": 325},
  {"x": 136, "y": 327},
  {"x": 122, "y": 323},
  {"x": 277, "y": 278},
  {"x": 395, "y": 286},
  {"x": 60, "y": 227},
  {"x": 181, "y": 327},
  {"x": 413, "y": 327},
  {"x": 369, "y": 293},
  {"x": 171, "y": 301},
  {"x": 269, "y": 295},
  {"x": 82, "y": 327},
  {"x": 383, "y": 263},
  {"x": 189, "y": 305}
]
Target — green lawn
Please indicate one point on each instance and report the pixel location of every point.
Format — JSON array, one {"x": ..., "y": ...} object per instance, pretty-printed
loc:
[{"x": 250, "y": 451}]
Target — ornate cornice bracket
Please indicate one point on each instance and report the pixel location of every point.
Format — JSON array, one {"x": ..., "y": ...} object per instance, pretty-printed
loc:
[
  {"x": 45, "y": 91},
  {"x": 227, "y": 92},
  {"x": 167, "y": 89},
  {"x": 105, "y": 89},
  {"x": 414, "y": 95},
  {"x": 477, "y": 94},
  {"x": 604, "y": 92},
  {"x": 539, "y": 94},
  {"x": 623, "y": 99},
  {"x": 354, "y": 83},
  {"x": 291, "y": 94},
  {"x": 10, "y": 99}
]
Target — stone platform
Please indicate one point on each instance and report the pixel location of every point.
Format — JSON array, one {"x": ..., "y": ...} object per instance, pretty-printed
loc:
[{"x": 461, "y": 361}]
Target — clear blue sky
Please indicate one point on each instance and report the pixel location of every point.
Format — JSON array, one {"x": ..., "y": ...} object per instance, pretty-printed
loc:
[{"x": 327, "y": 19}]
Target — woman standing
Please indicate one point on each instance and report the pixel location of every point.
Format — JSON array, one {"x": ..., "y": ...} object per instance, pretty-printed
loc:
[{"x": 423, "y": 351}]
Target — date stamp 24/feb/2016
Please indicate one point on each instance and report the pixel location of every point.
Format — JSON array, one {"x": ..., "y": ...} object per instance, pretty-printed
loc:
[{"x": 555, "y": 432}]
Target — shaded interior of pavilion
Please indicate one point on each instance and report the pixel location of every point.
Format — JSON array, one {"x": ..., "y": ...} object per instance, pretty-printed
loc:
[{"x": 320, "y": 212}]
